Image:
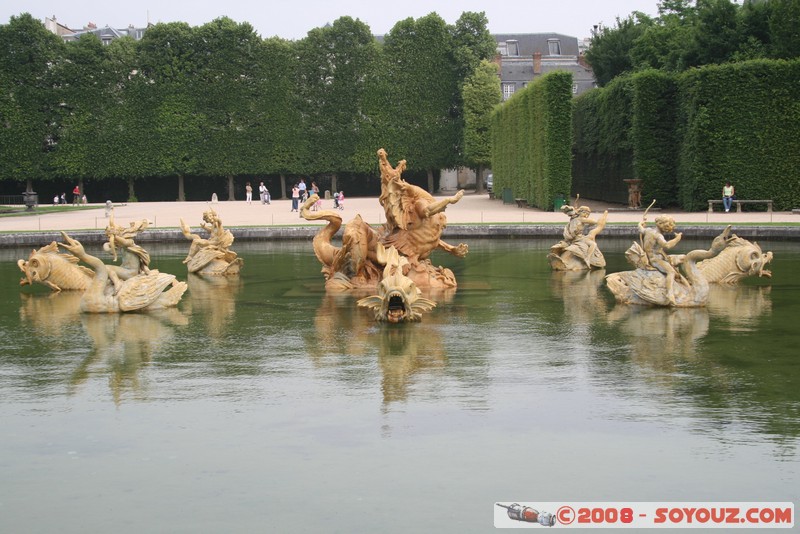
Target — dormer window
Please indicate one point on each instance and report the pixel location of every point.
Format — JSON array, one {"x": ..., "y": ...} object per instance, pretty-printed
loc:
[
  {"x": 512, "y": 46},
  {"x": 554, "y": 47}
]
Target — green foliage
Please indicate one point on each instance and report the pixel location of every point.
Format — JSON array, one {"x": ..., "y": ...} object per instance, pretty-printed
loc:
[
  {"x": 332, "y": 64},
  {"x": 481, "y": 96},
  {"x": 739, "y": 122},
  {"x": 610, "y": 50},
  {"x": 218, "y": 101},
  {"x": 29, "y": 58},
  {"x": 532, "y": 139},
  {"x": 420, "y": 105},
  {"x": 685, "y": 135},
  {"x": 685, "y": 36}
]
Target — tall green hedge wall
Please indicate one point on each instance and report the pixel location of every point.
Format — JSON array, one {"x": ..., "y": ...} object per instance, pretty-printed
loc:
[
  {"x": 740, "y": 122},
  {"x": 685, "y": 135},
  {"x": 603, "y": 149},
  {"x": 532, "y": 140}
]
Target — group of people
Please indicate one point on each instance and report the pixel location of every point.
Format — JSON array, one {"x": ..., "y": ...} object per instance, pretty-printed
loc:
[
  {"x": 263, "y": 193},
  {"x": 77, "y": 197},
  {"x": 301, "y": 192}
]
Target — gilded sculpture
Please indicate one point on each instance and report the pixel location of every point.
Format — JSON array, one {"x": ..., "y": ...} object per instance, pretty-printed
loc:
[
  {"x": 660, "y": 278},
  {"x": 135, "y": 259},
  {"x": 56, "y": 270},
  {"x": 113, "y": 291},
  {"x": 578, "y": 250},
  {"x": 211, "y": 256},
  {"x": 415, "y": 222},
  {"x": 739, "y": 260},
  {"x": 398, "y": 299}
]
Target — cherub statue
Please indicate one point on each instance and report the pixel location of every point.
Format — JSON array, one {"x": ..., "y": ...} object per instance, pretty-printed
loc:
[
  {"x": 212, "y": 255},
  {"x": 660, "y": 278},
  {"x": 655, "y": 246},
  {"x": 578, "y": 250},
  {"x": 135, "y": 259}
]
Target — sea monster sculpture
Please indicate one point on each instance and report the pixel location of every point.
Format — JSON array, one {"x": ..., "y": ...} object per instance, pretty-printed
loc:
[
  {"x": 398, "y": 299},
  {"x": 657, "y": 280},
  {"x": 578, "y": 250},
  {"x": 739, "y": 260},
  {"x": 143, "y": 291},
  {"x": 211, "y": 256},
  {"x": 415, "y": 222},
  {"x": 58, "y": 271}
]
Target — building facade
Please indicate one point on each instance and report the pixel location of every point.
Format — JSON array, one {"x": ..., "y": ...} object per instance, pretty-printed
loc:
[{"x": 523, "y": 57}]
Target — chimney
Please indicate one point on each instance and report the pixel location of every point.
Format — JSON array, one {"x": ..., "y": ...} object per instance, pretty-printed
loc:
[{"x": 537, "y": 62}]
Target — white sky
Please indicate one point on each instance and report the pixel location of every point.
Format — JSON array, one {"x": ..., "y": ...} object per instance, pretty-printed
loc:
[{"x": 292, "y": 19}]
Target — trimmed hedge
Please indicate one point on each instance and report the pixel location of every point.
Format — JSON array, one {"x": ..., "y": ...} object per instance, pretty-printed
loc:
[
  {"x": 685, "y": 135},
  {"x": 741, "y": 122},
  {"x": 532, "y": 139},
  {"x": 603, "y": 153}
]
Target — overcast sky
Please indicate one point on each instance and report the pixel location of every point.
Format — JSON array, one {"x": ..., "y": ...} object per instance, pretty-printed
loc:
[{"x": 292, "y": 19}]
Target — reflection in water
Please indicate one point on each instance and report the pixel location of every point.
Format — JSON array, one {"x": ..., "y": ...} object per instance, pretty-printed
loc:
[
  {"x": 660, "y": 337},
  {"x": 50, "y": 313},
  {"x": 580, "y": 291},
  {"x": 403, "y": 350},
  {"x": 122, "y": 344},
  {"x": 741, "y": 305},
  {"x": 215, "y": 298}
]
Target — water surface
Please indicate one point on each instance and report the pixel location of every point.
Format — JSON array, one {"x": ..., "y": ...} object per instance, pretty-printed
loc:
[{"x": 262, "y": 404}]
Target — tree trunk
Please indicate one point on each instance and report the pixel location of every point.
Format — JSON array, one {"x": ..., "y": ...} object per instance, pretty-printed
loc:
[
  {"x": 29, "y": 186},
  {"x": 131, "y": 193},
  {"x": 181, "y": 189},
  {"x": 334, "y": 185},
  {"x": 479, "y": 180},
  {"x": 231, "y": 195},
  {"x": 283, "y": 186},
  {"x": 430, "y": 181}
]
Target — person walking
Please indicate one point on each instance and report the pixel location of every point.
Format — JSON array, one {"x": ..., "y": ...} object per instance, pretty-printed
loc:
[
  {"x": 76, "y": 196},
  {"x": 295, "y": 197},
  {"x": 341, "y": 200},
  {"x": 728, "y": 194},
  {"x": 249, "y": 191}
]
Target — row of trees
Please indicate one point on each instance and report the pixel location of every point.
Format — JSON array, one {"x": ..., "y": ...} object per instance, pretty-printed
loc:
[
  {"x": 689, "y": 33},
  {"x": 218, "y": 100}
]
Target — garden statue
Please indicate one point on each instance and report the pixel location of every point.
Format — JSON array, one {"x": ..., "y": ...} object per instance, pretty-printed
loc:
[
  {"x": 578, "y": 250},
  {"x": 657, "y": 280},
  {"x": 415, "y": 222},
  {"x": 740, "y": 259},
  {"x": 135, "y": 259},
  {"x": 398, "y": 299},
  {"x": 108, "y": 293},
  {"x": 58, "y": 271},
  {"x": 213, "y": 255}
]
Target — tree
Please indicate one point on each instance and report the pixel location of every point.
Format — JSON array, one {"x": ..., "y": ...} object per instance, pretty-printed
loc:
[
  {"x": 277, "y": 130},
  {"x": 610, "y": 51},
  {"x": 784, "y": 22},
  {"x": 424, "y": 88},
  {"x": 84, "y": 80},
  {"x": 481, "y": 96},
  {"x": 29, "y": 56},
  {"x": 334, "y": 63},
  {"x": 169, "y": 62},
  {"x": 226, "y": 64}
]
